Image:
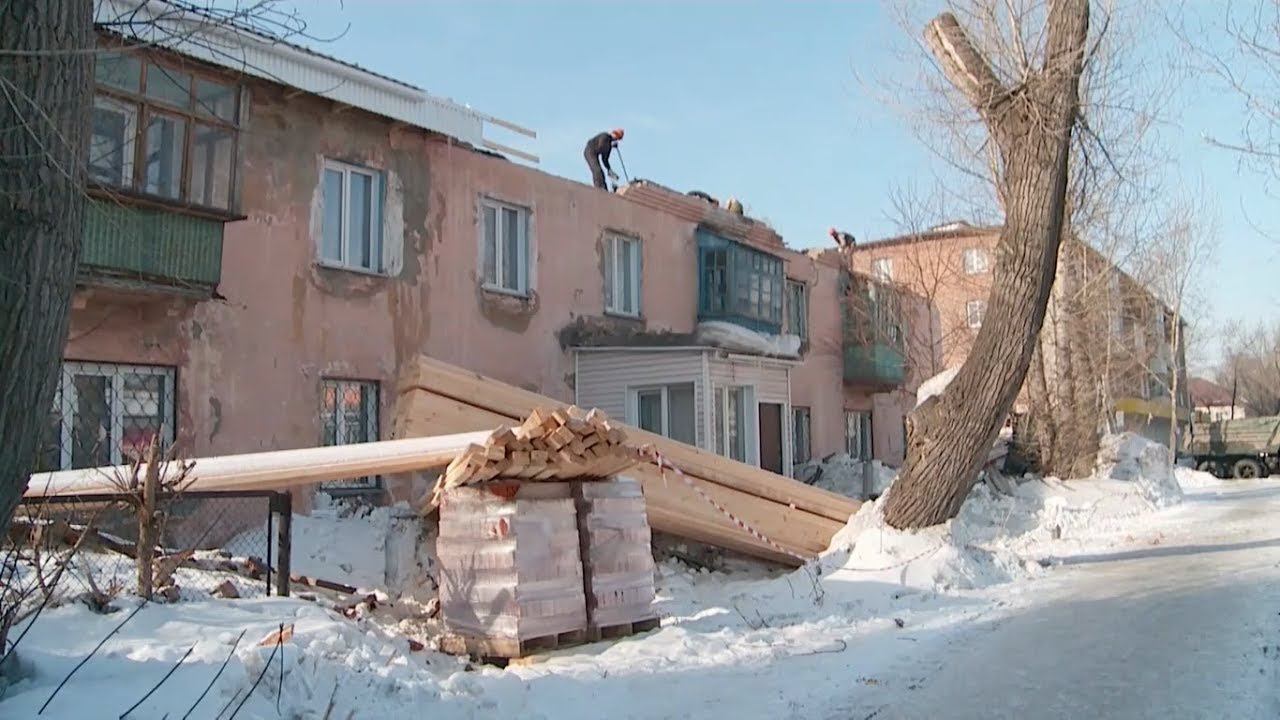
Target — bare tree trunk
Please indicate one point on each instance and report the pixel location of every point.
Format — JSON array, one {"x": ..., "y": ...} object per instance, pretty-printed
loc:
[
  {"x": 1031, "y": 125},
  {"x": 148, "y": 521},
  {"x": 1175, "y": 366},
  {"x": 44, "y": 113}
]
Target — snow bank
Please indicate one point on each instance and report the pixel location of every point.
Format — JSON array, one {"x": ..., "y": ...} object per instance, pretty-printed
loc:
[
  {"x": 1131, "y": 457},
  {"x": 1191, "y": 479},
  {"x": 843, "y": 474}
]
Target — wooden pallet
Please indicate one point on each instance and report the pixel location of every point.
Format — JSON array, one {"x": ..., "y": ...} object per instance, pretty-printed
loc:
[
  {"x": 612, "y": 632},
  {"x": 498, "y": 650}
]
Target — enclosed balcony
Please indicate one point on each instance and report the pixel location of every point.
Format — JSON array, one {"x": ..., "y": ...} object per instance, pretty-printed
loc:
[
  {"x": 874, "y": 334},
  {"x": 739, "y": 284},
  {"x": 151, "y": 250}
]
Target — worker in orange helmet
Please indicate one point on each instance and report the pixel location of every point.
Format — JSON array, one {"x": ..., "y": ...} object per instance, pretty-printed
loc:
[{"x": 597, "y": 154}]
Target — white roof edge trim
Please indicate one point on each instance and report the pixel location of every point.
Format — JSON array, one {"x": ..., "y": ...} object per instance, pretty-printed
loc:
[{"x": 159, "y": 23}]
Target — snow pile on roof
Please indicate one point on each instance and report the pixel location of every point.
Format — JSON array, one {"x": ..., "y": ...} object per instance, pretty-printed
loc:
[
  {"x": 1131, "y": 457},
  {"x": 935, "y": 385}
]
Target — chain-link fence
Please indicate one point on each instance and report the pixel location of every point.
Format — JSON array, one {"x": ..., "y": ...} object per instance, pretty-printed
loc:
[{"x": 232, "y": 544}]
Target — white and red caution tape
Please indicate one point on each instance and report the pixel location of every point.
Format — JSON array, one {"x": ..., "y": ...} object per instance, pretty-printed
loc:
[{"x": 663, "y": 464}]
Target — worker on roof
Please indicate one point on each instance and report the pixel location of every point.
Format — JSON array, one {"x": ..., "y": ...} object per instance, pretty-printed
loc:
[
  {"x": 843, "y": 239},
  {"x": 597, "y": 155}
]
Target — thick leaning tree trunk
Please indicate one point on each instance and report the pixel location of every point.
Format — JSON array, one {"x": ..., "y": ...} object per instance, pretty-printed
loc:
[
  {"x": 45, "y": 91},
  {"x": 948, "y": 438}
]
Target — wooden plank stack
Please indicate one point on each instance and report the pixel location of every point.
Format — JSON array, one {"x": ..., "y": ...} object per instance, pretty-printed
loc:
[
  {"x": 436, "y": 398},
  {"x": 551, "y": 444}
]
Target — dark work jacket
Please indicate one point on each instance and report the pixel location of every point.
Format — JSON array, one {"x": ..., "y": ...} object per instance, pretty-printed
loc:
[{"x": 601, "y": 146}]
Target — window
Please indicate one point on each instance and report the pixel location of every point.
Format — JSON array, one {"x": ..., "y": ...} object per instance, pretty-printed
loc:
[
  {"x": 798, "y": 309},
  {"x": 857, "y": 434},
  {"x": 163, "y": 132},
  {"x": 739, "y": 284},
  {"x": 667, "y": 410},
  {"x": 731, "y": 422},
  {"x": 974, "y": 312},
  {"x": 351, "y": 236},
  {"x": 107, "y": 414},
  {"x": 882, "y": 269},
  {"x": 976, "y": 261},
  {"x": 349, "y": 415},
  {"x": 505, "y": 247},
  {"x": 801, "y": 451},
  {"x": 622, "y": 275}
]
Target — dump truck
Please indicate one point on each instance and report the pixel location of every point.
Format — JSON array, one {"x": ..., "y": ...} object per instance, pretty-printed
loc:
[{"x": 1244, "y": 448}]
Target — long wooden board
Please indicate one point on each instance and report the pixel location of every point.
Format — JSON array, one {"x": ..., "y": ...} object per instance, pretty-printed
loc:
[
  {"x": 483, "y": 393},
  {"x": 675, "y": 508},
  {"x": 277, "y": 469}
]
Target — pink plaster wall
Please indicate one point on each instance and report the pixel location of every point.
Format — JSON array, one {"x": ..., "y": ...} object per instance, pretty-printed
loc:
[{"x": 250, "y": 365}]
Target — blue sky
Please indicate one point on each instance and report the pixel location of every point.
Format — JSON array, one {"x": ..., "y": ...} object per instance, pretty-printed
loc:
[{"x": 757, "y": 100}]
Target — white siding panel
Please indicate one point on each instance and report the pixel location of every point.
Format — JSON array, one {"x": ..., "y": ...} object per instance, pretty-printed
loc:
[
  {"x": 771, "y": 383},
  {"x": 769, "y": 380},
  {"x": 603, "y": 378}
]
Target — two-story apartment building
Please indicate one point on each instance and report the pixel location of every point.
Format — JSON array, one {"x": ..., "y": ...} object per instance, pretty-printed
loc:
[
  {"x": 952, "y": 268},
  {"x": 272, "y": 233}
]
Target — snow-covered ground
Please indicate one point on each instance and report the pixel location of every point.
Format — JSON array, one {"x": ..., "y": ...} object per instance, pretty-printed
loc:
[{"x": 881, "y": 625}]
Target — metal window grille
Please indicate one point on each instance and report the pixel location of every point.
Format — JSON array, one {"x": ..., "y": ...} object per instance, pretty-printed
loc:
[
  {"x": 349, "y": 415},
  {"x": 107, "y": 414}
]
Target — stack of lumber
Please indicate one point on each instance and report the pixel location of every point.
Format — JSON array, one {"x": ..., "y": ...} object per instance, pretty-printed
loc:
[
  {"x": 435, "y": 397},
  {"x": 551, "y": 444}
]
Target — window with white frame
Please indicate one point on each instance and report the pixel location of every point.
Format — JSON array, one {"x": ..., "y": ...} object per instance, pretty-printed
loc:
[
  {"x": 974, "y": 313},
  {"x": 107, "y": 414},
  {"x": 622, "y": 275},
  {"x": 798, "y": 309},
  {"x": 351, "y": 233},
  {"x": 857, "y": 434},
  {"x": 976, "y": 261},
  {"x": 504, "y": 247},
  {"x": 730, "y": 421},
  {"x": 667, "y": 410},
  {"x": 349, "y": 415},
  {"x": 801, "y": 442},
  {"x": 882, "y": 269}
]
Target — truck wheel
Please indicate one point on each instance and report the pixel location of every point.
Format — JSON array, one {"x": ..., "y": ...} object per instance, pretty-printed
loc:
[
  {"x": 1246, "y": 469},
  {"x": 1210, "y": 467}
]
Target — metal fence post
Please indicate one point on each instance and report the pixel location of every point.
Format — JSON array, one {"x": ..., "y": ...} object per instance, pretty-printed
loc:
[{"x": 284, "y": 542}]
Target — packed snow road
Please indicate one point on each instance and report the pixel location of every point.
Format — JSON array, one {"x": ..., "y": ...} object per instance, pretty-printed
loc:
[{"x": 1185, "y": 624}]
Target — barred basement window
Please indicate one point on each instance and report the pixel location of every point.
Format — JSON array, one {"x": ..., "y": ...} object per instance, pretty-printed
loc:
[
  {"x": 349, "y": 415},
  {"x": 107, "y": 414}
]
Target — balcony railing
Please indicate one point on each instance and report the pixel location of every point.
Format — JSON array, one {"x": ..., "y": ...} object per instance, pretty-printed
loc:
[{"x": 134, "y": 247}]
